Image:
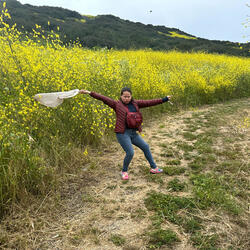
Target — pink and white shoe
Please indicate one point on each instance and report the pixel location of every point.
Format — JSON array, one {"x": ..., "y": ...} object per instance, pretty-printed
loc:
[
  {"x": 156, "y": 170},
  {"x": 124, "y": 176}
]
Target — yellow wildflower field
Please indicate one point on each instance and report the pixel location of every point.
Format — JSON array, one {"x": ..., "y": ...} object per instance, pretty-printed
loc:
[{"x": 41, "y": 63}]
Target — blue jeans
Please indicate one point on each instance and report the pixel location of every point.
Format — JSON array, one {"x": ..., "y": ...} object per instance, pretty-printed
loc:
[{"x": 126, "y": 140}]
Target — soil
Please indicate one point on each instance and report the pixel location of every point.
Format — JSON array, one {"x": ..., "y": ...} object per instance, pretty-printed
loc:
[{"x": 95, "y": 205}]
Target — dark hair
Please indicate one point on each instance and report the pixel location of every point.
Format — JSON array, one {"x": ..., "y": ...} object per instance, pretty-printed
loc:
[{"x": 126, "y": 89}]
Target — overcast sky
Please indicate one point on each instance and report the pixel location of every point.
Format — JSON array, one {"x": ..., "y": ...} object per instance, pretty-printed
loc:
[{"x": 210, "y": 19}]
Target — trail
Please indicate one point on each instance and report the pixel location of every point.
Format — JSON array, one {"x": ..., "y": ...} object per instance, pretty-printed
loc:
[{"x": 95, "y": 206}]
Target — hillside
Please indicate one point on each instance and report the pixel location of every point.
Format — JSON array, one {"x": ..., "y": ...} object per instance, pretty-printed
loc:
[{"x": 113, "y": 32}]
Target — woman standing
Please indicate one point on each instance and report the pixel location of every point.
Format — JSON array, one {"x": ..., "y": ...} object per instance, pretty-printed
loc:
[{"x": 128, "y": 122}]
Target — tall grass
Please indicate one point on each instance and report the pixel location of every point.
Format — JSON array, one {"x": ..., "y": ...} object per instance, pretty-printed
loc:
[{"x": 30, "y": 133}]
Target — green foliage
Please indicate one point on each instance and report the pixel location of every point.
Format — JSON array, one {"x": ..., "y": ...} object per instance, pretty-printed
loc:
[
  {"x": 210, "y": 190},
  {"x": 138, "y": 214},
  {"x": 167, "y": 206},
  {"x": 189, "y": 136},
  {"x": 243, "y": 87},
  {"x": 204, "y": 242},
  {"x": 173, "y": 162},
  {"x": 198, "y": 163},
  {"x": 117, "y": 239},
  {"x": 176, "y": 185},
  {"x": 162, "y": 237},
  {"x": 154, "y": 178},
  {"x": 36, "y": 65},
  {"x": 192, "y": 224},
  {"x": 184, "y": 146},
  {"x": 25, "y": 173},
  {"x": 173, "y": 170},
  {"x": 112, "y": 32}
]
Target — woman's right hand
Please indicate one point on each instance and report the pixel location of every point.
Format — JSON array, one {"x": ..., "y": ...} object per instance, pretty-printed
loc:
[{"x": 84, "y": 91}]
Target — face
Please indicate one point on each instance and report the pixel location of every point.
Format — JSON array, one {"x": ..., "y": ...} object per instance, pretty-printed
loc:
[{"x": 126, "y": 97}]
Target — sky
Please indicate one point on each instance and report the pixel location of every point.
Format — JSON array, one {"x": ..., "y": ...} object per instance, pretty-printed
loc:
[{"x": 210, "y": 19}]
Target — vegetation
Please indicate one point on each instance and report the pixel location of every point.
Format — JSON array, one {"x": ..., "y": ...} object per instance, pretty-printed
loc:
[
  {"x": 202, "y": 195},
  {"x": 215, "y": 179},
  {"x": 176, "y": 185},
  {"x": 112, "y": 32},
  {"x": 35, "y": 138},
  {"x": 162, "y": 237},
  {"x": 94, "y": 208},
  {"x": 118, "y": 240}
]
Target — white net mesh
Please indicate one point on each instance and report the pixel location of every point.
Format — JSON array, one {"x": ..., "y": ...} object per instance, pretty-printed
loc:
[{"x": 54, "y": 99}]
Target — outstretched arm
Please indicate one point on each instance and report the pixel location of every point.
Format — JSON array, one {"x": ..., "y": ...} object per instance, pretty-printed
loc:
[
  {"x": 153, "y": 102},
  {"x": 110, "y": 102}
]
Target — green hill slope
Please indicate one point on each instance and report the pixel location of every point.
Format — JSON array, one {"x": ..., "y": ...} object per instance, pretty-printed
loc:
[{"x": 113, "y": 32}]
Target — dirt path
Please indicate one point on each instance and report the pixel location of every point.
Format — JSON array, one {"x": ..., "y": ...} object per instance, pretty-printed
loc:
[{"x": 96, "y": 210}]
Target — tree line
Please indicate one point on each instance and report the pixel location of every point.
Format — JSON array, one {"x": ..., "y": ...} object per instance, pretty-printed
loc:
[{"x": 113, "y": 32}]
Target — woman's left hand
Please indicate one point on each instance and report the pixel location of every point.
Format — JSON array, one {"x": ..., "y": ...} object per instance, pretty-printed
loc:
[{"x": 169, "y": 97}]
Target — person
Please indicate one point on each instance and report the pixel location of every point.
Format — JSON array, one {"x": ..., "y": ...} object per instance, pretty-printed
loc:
[{"x": 125, "y": 134}]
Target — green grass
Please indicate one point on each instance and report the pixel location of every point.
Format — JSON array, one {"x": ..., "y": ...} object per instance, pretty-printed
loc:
[
  {"x": 188, "y": 156},
  {"x": 166, "y": 206},
  {"x": 190, "y": 136},
  {"x": 173, "y": 170},
  {"x": 192, "y": 224},
  {"x": 217, "y": 179},
  {"x": 167, "y": 154},
  {"x": 139, "y": 214},
  {"x": 204, "y": 143},
  {"x": 156, "y": 178},
  {"x": 162, "y": 237},
  {"x": 231, "y": 166},
  {"x": 196, "y": 166},
  {"x": 173, "y": 162},
  {"x": 170, "y": 152},
  {"x": 229, "y": 153},
  {"x": 198, "y": 163},
  {"x": 211, "y": 193},
  {"x": 210, "y": 190},
  {"x": 205, "y": 242},
  {"x": 117, "y": 239},
  {"x": 175, "y": 185},
  {"x": 184, "y": 146},
  {"x": 191, "y": 128},
  {"x": 163, "y": 145},
  {"x": 132, "y": 188}
]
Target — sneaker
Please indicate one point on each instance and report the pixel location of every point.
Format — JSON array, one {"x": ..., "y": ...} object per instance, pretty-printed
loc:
[
  {"x": 125, "y": 176},
  {"x": 156, "y": 170}
]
